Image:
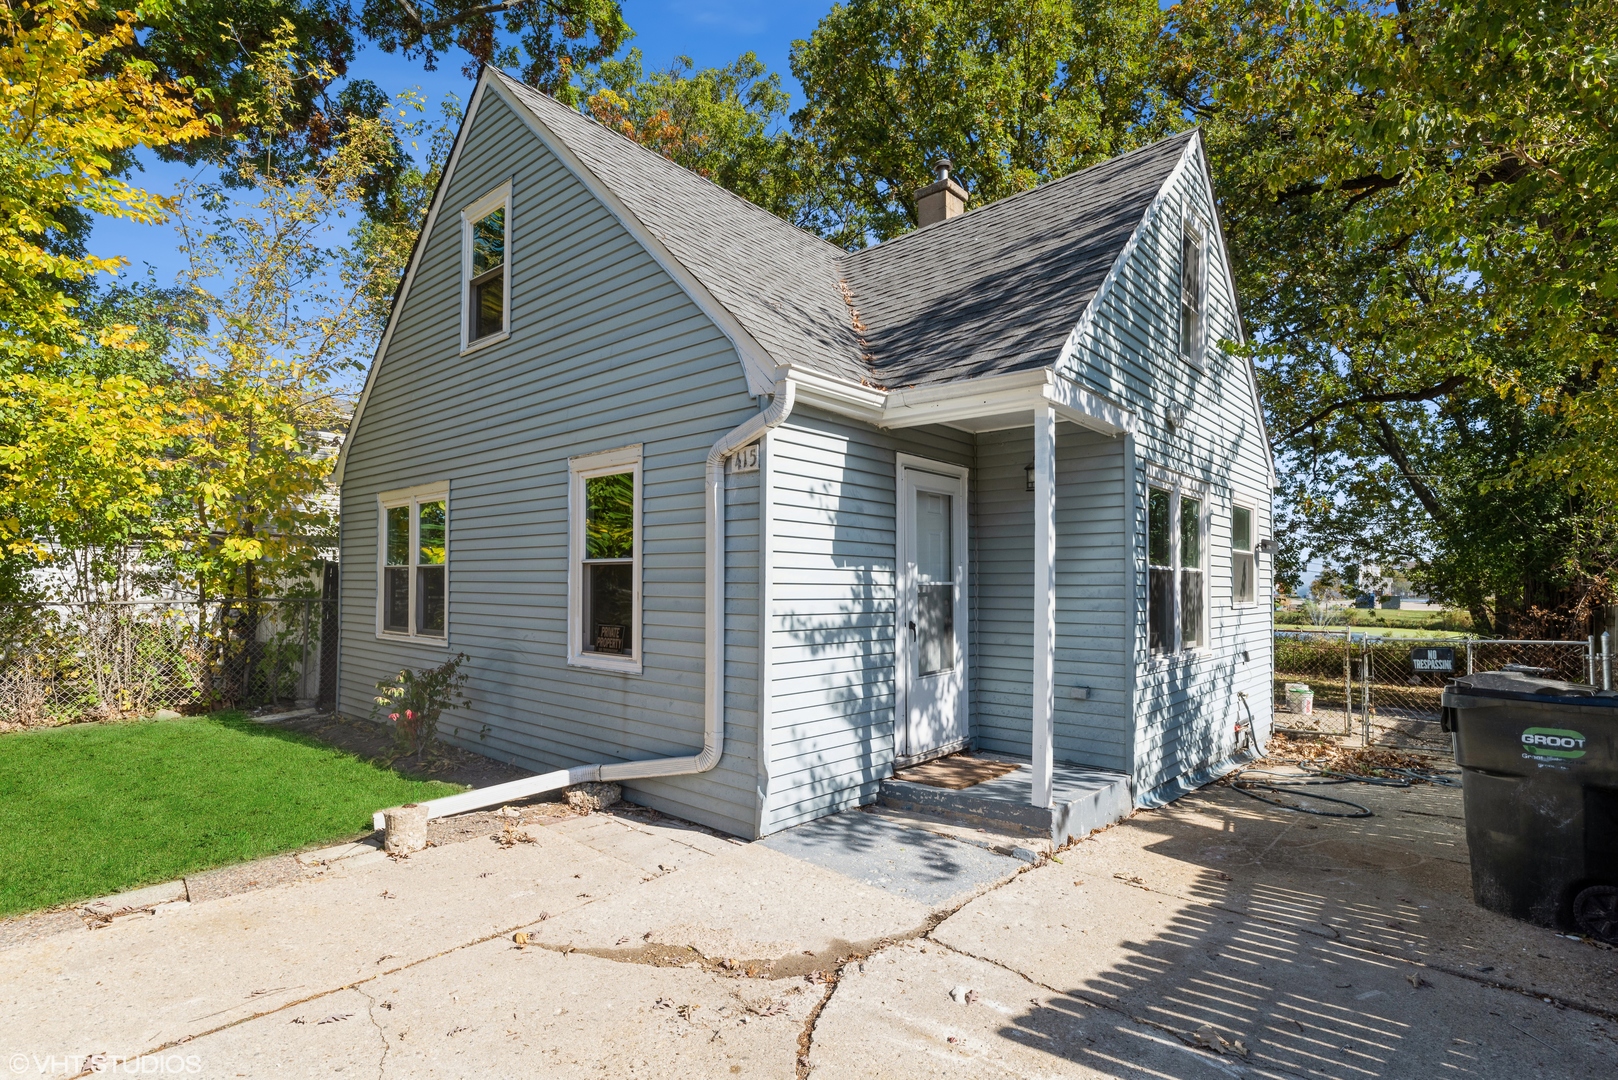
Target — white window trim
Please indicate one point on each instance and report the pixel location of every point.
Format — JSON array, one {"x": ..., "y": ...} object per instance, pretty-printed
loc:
[
  {"x": 580, "y": 469},
  {"x": 1193, "y": 223},
  {"x": 496, "y": 199},
  {"x": 1179, "y": 487},
  {"x": 1251, "y": 507},
  {"x": 412, "y": 497}
]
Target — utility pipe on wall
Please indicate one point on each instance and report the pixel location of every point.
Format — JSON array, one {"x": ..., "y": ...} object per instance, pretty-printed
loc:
[{"x": 713, "y": 734}]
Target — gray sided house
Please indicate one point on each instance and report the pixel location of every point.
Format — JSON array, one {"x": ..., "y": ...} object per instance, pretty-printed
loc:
[{"x": 747, "y": 522}]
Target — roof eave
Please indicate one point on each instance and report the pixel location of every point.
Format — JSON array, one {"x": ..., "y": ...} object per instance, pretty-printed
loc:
[
  {"x": 958, "y": 403},
  {"x": 760, "y": 367}
]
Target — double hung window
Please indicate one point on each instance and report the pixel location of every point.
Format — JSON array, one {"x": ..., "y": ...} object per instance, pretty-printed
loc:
[
  {"x": 485, "y": 260},
  {"x": 413, "y": 590},
  {"x": 604, "y": 609},
  {"x": 1193, "y": 291},
  {"x": 1243, "y": 565},
  {"x": 1175, "y": 584}
]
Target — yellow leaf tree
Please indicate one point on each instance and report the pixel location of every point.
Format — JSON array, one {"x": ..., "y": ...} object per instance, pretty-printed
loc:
[{"x": 83, "y": 453}]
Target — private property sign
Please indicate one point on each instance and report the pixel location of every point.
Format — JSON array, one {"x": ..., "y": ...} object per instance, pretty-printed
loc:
[{"x": 1430, "y": 659}]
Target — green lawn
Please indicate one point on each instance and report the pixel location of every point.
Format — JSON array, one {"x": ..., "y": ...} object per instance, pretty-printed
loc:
[{"x": 98, "y": 808}]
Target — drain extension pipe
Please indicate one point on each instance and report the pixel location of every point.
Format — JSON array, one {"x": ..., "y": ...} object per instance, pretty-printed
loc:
[{"x": 713, "y": 732}]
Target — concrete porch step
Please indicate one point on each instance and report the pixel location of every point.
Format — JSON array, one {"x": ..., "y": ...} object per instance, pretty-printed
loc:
[{"x": 1083, "y": 800}]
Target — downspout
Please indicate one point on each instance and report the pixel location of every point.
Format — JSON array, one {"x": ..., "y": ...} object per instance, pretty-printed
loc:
[{"x": 713, "y": 733}]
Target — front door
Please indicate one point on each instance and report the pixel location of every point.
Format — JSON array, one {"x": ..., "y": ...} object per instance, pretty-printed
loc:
[{"x": 932, "y": 608}]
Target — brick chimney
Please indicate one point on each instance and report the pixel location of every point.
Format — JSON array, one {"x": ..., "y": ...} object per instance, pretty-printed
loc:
[{"x": 943, "y": 198}]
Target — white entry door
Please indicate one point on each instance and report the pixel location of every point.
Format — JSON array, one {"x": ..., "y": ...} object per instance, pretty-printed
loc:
[{"x": 931, "y": 608}]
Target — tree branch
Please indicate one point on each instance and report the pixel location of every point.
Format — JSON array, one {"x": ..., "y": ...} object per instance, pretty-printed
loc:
[
  {"x": 1437, "y": 390},
  {"x": 1388, "y": 439},
  {"x": 449, "y": 22}
]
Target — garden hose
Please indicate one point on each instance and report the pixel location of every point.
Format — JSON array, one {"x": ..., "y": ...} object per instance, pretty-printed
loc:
[{"x": 1252, "y": 792}]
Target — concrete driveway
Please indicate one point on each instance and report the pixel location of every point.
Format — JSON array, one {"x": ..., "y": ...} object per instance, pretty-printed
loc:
[{"x": 1217, "y": 937}]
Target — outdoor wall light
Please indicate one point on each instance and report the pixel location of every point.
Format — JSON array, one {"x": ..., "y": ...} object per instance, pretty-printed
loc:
[
  {"x": 1267, "y": 545},
  {"x": 1029, "y": 472}
]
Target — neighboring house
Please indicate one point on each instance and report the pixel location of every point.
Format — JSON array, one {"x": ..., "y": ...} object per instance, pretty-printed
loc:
[{"x": 685, "y": 482}]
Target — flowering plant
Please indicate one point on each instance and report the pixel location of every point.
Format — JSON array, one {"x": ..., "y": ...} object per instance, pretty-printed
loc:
[{"x": 414, "y": 700}]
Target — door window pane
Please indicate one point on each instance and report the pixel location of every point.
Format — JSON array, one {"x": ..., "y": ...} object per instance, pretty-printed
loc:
[
  {"x": 935, "y": 577},
  {"x": 934, "y": 557},
  {"x": 935, "y": 627},
  {"x": 609, "y": 596},
  {"x": 609, "y": 520}
]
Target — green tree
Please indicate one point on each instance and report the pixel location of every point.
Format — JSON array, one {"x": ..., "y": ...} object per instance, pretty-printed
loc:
[
  {"x": 723, "y": 123},
  {"x": 1014, "y": 93},
  {"x": 286, "y": 310},
  {"x": 73, "y": 108},
  {"x": 1420, "y": 198},
  {"x": 555, "y": 39}
]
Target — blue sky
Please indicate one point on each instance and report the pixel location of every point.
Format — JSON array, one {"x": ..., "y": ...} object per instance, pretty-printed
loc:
[{"x": 711, "y": 32}]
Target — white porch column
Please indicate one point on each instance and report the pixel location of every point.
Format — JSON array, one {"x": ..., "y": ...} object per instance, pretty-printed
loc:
[{"x": 1044, "y": 601}]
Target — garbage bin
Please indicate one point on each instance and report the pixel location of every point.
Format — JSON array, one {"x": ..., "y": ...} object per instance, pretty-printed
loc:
[{"x": 1539, "y": 761}]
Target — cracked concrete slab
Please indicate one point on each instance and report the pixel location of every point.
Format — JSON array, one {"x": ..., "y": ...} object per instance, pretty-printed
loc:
[
  {"x": 1396, "y": 884},
  {"x": 749, "y": 903},
  {"x": 1174, "y": 1006},
  {"x": 145, "y": 981},
  {"x": 494, "y": 1010},
  {"x": 1328, "y": 949},
  {"x": 892, "y": 1017}
]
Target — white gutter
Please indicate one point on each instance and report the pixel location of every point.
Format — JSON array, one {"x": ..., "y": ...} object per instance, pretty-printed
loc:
[{"x": 713, "y": 734}]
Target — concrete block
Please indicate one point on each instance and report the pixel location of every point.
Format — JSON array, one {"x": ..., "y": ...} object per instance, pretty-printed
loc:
[
  {"x": 593, "y": 796},
  {"x": 137, "y": 899},
  {"x": 404, "y": 829}
]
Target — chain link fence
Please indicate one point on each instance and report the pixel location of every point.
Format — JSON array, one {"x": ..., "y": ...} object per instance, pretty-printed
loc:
[
  {"x": 1388, "y": 690},
  {"x": 61, "y": 663}
]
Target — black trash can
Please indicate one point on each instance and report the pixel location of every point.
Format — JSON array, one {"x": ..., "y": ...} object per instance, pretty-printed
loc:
[{"x": 1539, "y": 761}]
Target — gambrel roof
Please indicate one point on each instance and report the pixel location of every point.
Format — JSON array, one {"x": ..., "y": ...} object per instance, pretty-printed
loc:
[{"x": 992, "y": 291}]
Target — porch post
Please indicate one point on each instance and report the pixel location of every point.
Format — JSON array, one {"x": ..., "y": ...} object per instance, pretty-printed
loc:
[{"x": 1044, "y": 601}]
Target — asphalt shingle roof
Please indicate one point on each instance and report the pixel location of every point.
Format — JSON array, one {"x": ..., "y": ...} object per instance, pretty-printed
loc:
[
  {"x": 780, "y": 282},
  {"x": 995, "y": 290},
  {"x": 1000, "y": 288}
]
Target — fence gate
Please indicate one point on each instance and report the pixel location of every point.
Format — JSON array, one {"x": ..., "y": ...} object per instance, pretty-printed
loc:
[
  {"x": 1314, "y": 681},
  {"x": 1389, "y": 690}
]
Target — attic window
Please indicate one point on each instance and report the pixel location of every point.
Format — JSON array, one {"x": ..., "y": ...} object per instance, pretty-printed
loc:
[
  {"x": 1193, "y": 291},
  {"x": 485, "y": 262}
]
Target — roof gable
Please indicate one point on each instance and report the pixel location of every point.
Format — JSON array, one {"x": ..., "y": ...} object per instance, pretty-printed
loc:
[
  {"x": 780, "y": 282},
  {"x": 994, "y": 291}
]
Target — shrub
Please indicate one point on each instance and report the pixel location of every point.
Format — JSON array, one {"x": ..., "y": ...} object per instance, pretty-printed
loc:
[{"x": 414, "y": 700}]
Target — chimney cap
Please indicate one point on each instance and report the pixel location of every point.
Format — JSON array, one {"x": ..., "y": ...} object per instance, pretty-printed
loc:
[{"x": 941, "y": 167}]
